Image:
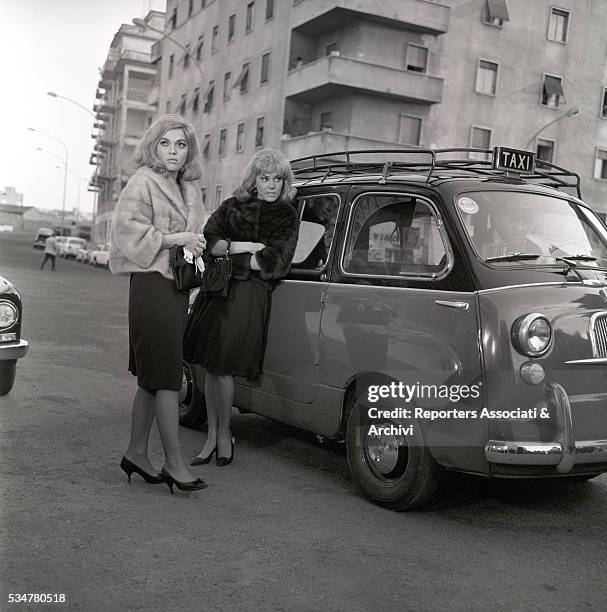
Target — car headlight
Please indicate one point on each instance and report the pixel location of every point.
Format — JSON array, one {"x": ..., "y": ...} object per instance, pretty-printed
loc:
[
  {"x": 532, "y": 334},
  {"x": 8, "y": 314}
]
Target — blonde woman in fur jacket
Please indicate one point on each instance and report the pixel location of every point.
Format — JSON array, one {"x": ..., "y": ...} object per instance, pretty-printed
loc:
[{"x": 160, "y": 207}]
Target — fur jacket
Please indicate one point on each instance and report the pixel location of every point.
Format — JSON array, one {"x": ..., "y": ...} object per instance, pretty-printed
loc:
[
  {"x": 149, "y": 206},
  {"x": 276, "y": 224}
]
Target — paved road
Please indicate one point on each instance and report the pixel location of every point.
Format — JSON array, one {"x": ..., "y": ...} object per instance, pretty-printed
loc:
[{"x": 282, "y": 528}]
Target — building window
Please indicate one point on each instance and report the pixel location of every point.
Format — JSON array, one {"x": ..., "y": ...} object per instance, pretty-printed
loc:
[
  {"x": 486, "y": 77},
  {"x": 190, "y": 7},
  {"x": 558, "y": 25},
  {"x": 409, "y": 130},
  {"x": 231, "y": 27},
  {"x": 203, "y": 193},
  {"x": 249, "y": 19},
  {"x": 331, "y": 49},
  {"x": 182, "y": 106},
  {"x": 203, "y": 3},
  {"x": 552, "y": 91},
  {"x": 196, "y": 100},
  {"x": 186, "y": 58},
  {"x": 269, "y": 9},
  {"x": 227, "y": 77},
  {"x": 240, "y": 137},
  {"x": 416, "y": 58},
  {"x": 215, "y": 39},
  {"x": 208, "y": 97},
  {"x": 265, "y": 68},
  {"x": 326, "y": 121},
  {"x": 173, "y": 19},
  {"x": 495, "y": 12},
  {"x": 259, "y": 132},
  {"x": 199, "y": 48},
  {"x": 243, "y": 79},
  {"x": 480, "y": 138},
  {"x": 223, "y": 137},
  {"x": 604, "y": 104},
  {"x": 168, "y": 107},
  {"x": 600, "y": 164},
  {"x": 171, "y": 66},
  {"x": 545, "y": 150},
  {"x": 206, "y": 147},
  {"x": 218, "y": 195}
]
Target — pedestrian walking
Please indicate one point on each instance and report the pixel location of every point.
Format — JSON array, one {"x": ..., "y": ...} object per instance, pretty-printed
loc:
[
  {"x": 50, "y": 251},
  {"x": 160, "y": 207},
  {"x": 227, "y": 336}
]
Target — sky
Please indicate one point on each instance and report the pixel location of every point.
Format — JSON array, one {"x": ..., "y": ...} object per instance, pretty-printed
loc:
[{"x": 54, "y": 45}]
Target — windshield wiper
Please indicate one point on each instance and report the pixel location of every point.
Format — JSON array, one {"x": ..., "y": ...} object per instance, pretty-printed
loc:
[
  {"x": 514, "y": 257},
  {"x": 577, "y": 258}
]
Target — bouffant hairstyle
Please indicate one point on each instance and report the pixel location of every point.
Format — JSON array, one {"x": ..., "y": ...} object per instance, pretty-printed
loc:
[
  {"x": 145, "y": 154},
  {"x": 267, "y": 160}
]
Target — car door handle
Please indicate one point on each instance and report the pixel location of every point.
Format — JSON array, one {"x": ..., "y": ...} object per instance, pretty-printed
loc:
[{"x": 457, "y": 305}]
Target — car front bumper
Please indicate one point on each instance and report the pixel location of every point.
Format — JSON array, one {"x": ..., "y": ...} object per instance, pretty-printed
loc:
[
  {"x": 563, "y": 453},
  {"x": 13, "y": 350}
]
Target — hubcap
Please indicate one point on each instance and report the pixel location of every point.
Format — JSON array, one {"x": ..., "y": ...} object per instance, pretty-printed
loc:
[{"x": 384, "y": 451}]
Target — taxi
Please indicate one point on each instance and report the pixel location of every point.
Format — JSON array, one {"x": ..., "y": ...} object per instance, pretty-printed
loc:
[
  {"x": 446, "y": 311},
  {"x": 12, "y": 346}
]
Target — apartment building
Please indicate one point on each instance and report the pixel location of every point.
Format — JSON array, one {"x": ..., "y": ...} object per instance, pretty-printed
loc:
[
  {"x": 311, "y": 76},
  {"x": 123, "y": 112}
]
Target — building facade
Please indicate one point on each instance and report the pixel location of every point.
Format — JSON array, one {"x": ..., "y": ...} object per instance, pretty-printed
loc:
[
  {"x": 312, "y": 76},
  {"x": 123, "y": 113}
]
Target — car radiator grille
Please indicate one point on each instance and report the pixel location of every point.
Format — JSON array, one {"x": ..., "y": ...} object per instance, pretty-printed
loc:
[{"x": 598, "y": 334}]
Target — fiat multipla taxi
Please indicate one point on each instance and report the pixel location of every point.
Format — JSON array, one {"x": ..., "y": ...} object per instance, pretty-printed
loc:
[{"x": 446, "y": 311}]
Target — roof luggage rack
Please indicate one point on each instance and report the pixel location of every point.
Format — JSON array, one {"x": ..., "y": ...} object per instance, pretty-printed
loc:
[{"x": 428, "y": 162}]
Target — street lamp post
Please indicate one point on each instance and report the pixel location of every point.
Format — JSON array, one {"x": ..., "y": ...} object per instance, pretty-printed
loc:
[
  {"x": 570, "y": 113},
  {"x": 65, "y": 163},
  {"x": 52, "y": 94}
]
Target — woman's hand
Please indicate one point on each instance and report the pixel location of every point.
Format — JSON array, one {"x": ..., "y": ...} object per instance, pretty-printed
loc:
[
  {"x": 194, "y": 243},
  {"x": 256, "y": 246}
]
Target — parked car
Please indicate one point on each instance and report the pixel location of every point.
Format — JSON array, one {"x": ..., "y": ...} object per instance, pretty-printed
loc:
[
  {"x": 61, "y": 240},
  {"x": 429, "y": 332},
  {"x": 70, "y": 245},
  {"x": 100, "y": 255},
  {"x": 12, "y": 346},
  {"x": 41, "y": 235},
  {"x": 82, "y": 254}
]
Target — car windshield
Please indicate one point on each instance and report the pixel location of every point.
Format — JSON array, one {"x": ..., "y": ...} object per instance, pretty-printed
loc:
[{"x": 510, "y": 226}]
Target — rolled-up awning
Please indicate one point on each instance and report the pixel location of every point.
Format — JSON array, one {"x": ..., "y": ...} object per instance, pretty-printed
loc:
[
  {"x": 497, "y": 9},
  {"x": 553, "y": 86}
]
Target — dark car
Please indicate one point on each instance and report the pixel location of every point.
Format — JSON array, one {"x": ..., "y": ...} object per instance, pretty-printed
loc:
[
  {"x": 12, "y": 347},
  {"x": 445, "y": 311}
]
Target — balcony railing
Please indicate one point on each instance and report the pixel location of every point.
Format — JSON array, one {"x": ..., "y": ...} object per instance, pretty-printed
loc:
[
  {"x": 315, "y": 16},
  {"x": 331, "y": 75}
]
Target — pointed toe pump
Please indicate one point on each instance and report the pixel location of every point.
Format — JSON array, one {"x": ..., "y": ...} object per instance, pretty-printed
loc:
[
  {"x": 198, "y": 460},
  {"x": 129, "y": 467},
  {"x": 221, "y": 461},
  {"x": 193, "y": 485}
]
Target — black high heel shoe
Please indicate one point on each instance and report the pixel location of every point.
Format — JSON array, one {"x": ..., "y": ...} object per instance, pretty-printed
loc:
[
  {"x": 198, "y": 460},
  {"x": 192, "y": 485},
  {"x": 129, "y": 467},
  {"x": 221, "y": 461}
]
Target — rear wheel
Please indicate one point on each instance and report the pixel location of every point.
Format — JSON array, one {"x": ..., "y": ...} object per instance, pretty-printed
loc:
[
  {"x": 192, "y": 407},
  {"x": 394, "y": 470},
  {"x": 7, "y": 376}
]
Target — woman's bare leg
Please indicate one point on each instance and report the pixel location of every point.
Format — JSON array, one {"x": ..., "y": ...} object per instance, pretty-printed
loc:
[
  {"x": 142, "y": 418},
  {"x": 166, "y": 406},
  {"x": 225, "y": 395}
]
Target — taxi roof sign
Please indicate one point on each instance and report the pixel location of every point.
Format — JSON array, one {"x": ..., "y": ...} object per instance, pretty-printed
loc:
[{"x": 513, "y": 160}]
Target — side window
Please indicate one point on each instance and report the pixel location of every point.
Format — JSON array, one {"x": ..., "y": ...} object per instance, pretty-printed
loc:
[
  {"x": 318, "y": 216},
  {"x": 394, "y": 235}
]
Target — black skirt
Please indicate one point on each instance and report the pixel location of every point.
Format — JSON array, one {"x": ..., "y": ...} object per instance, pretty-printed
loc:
[
  {"x": 157, "y": 316},
  {"x": 228, "y": 336}
]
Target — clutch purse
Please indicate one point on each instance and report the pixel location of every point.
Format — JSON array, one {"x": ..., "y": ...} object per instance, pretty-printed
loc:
[
  {"x": 186, "y": 274},
  {"x": 216, "y": 275}
]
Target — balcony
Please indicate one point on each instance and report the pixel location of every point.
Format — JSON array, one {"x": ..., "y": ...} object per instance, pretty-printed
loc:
[
  {"x": 315, "y": 16},
  {"x": 314, "y": 143},
  {"x": 156, "y": 52},
  {"x": 331, "y": 75},
  {"x": 103, "y": 108}
]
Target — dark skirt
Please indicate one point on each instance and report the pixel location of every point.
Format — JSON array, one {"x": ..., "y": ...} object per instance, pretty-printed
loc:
[
  {"x": 228, "y": 336},
  {"x": 157, "y": 316}
]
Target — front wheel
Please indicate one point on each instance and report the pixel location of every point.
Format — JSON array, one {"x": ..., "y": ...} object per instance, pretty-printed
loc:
[
  {"x": 7, "y": 376},
  {"x": 394, "y": 469},
  {"x": 192, "y": 406}
]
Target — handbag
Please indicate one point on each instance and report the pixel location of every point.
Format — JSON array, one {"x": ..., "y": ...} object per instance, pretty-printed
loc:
[
  {"x": 217, "y": 274},
  {"x": 186, "y": 274}
]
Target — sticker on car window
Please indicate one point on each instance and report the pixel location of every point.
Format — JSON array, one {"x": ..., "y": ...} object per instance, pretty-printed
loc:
[{"x": 468, "y": 206}]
